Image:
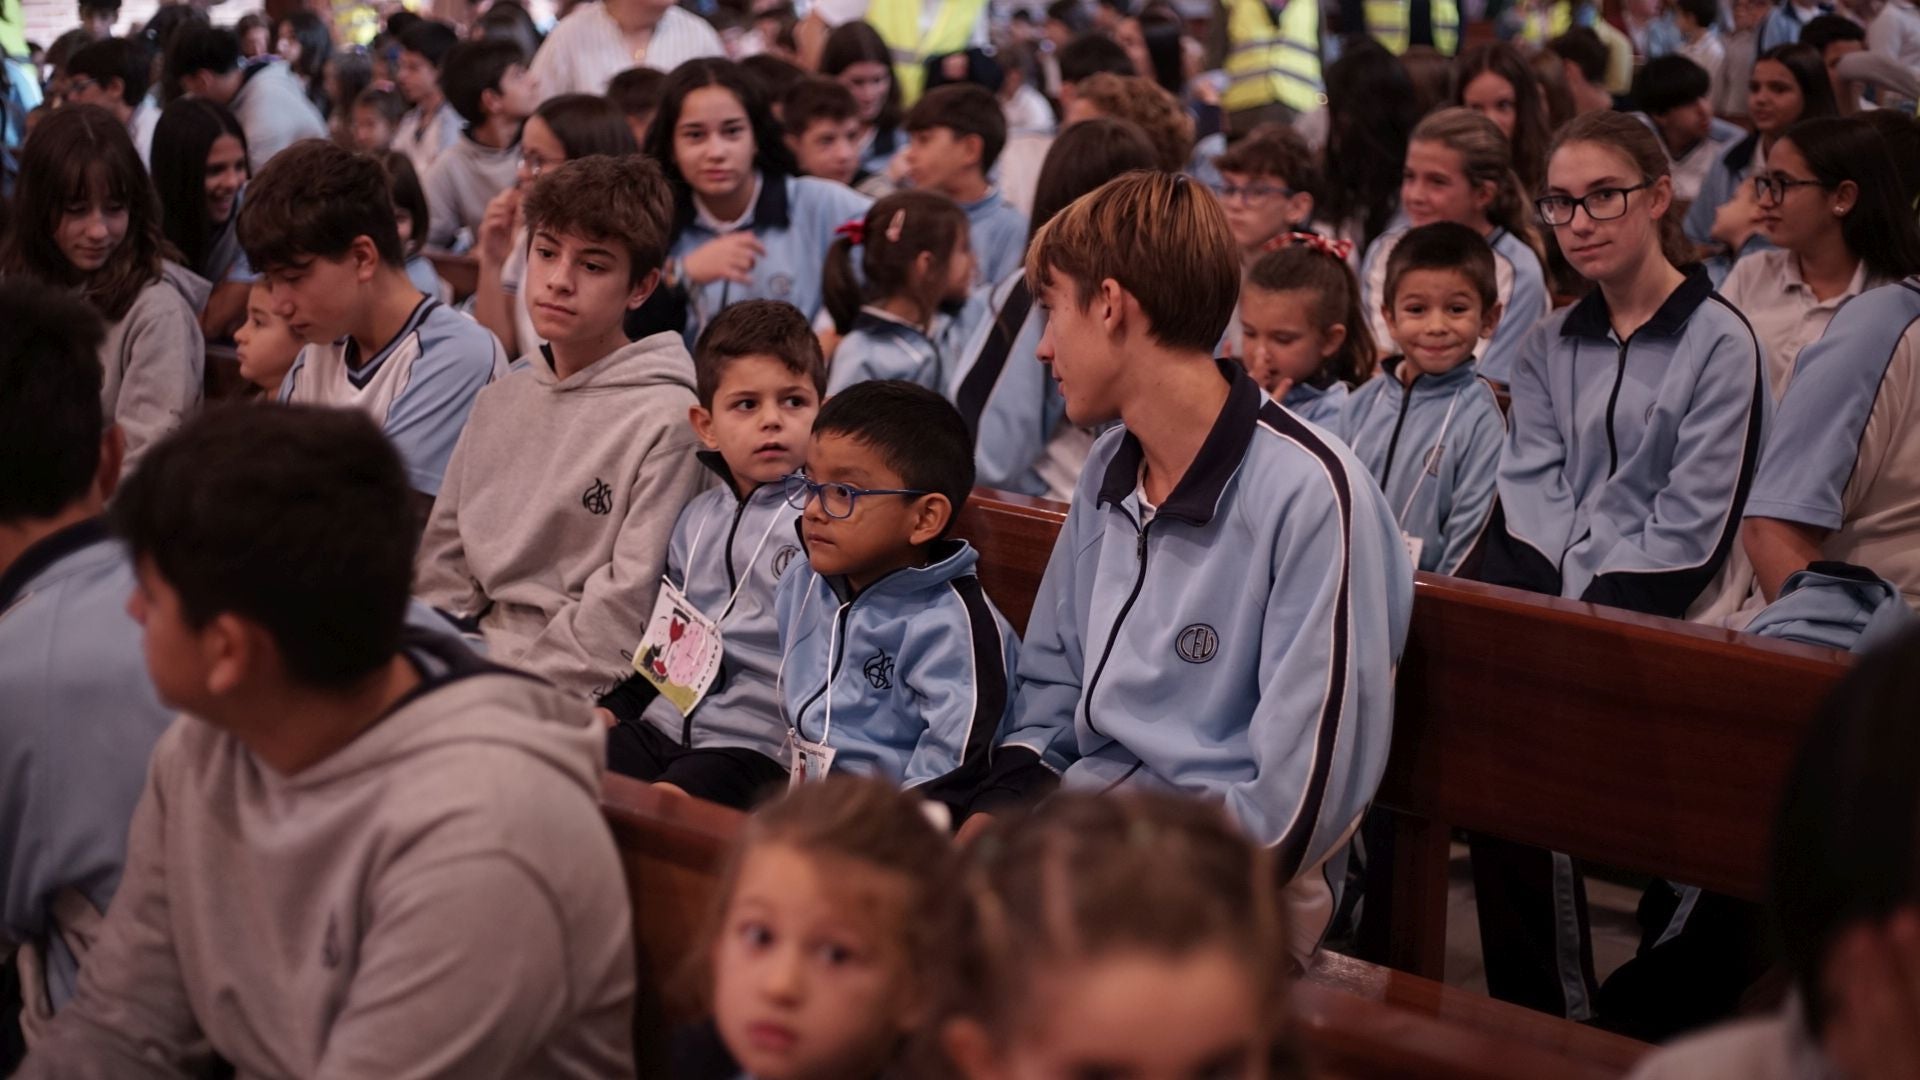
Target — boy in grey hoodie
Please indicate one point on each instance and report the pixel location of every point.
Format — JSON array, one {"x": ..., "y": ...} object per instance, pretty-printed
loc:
[
  {"x": 363, "y": 852},
  {"x": 552, "y": 525}
]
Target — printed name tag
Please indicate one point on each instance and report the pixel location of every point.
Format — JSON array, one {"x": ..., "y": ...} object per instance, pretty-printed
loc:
[
  {"x": 680, "y": 654},
  {"x": 811, "y": 761}
]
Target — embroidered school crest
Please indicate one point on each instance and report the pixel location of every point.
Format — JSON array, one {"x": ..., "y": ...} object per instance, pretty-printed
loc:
[
  {"x": 879, "y": 671},
  {"x": 780, "y": 285},
  {"x": 1197, "y": 643},
  {"x": 598, "y": 499},
  {"x": 784, "y": 558}
]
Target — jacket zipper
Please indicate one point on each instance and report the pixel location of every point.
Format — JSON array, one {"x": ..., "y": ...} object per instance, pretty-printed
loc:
[
  {"x": 833, "y": 669},
  {"x": 1139, "y": 581},
  {"x": 1393, "y": 446},
  {"x": 739, "y": 511},
  {"x": 1613, "y": 400}
]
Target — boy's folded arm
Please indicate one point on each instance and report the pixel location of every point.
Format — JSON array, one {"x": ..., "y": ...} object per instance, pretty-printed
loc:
[
  {"x": 962, "y": 672},
  {"x": 1476, "y": 469},
  {"x": 441, "y": 576},
  {"x": 591, "y": 636}
]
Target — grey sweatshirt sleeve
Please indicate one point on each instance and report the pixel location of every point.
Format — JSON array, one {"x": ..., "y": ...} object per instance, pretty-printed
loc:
[
  {"x": 582, "y": 649},
  {"x": 463, "y": 972},
  {"x": 443, "y": 202},
  {"x": 161, "y": 356},
  {"x": 131, "y": 1017},
  {"x": 441, "y": 577}
]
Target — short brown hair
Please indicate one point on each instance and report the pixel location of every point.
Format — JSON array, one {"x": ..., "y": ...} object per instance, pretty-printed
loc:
[
  {"x": 1143, "y": 101},
  {"x": 964, "y": 109},
  {"x": 756, "y": 328},
  {"x": 313, "y": 200},
  {"x": 602, "y": 198},
  {"x": 1272, "y": 150},
  {"x": 813, "y": 99},
  {"x": 1165, "y": 240},
  {"x": 1444, "y": 245}
]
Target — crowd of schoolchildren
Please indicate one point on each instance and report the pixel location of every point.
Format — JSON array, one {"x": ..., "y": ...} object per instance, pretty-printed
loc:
[{"x": 1622, "y": 309}]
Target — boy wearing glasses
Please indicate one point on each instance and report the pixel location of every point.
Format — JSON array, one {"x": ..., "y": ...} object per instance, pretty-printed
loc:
[
  {"x": 896, "y": 665},
  {"x": 1266, "y": 187},
  {"x": 700, "y": 713},
  {"x": 552, "y": 525}
]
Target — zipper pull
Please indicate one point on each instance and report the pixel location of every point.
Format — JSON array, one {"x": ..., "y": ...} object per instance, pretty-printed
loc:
[{"x": 1140, "y": 549}]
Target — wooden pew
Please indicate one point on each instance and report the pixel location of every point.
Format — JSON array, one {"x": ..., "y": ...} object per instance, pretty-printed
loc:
[
  {"x": 1357, "y": 1020},
  {"x": 1630, "y": 741},
  {"x": 462, "y": 272}
]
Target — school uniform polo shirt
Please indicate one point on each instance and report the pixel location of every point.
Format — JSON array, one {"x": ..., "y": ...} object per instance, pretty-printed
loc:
[
  {"x": 1844, "y": 450},
  {"x": 587, "y": 49},
  {"x": 419, "y": 388},
  {"x": 1785, "y": 315}
]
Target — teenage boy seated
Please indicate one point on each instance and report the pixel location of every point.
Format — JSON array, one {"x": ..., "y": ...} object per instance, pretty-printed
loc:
[
  {"x": 80, "y": 715},
  {"x": 318, "y": 225},
  {"x": 760, "y": 376},
  {"x": 1227, "y": 601},
  {"x": 263, "y": 94},
  {"x": 1674, "y": 96},
  {"x": 822, "y": 123},
  {"x": 551, "y": 529},
  {"x": 1430, "y": 430},
  {"x": 362, "y": 852},
  {"x": 954, "y": 135},
  {"x": 486, "y": 82},
  {"x": 431, "y": 127},
  {"x": 637, "y": 93},
  {"x": 113, "y": 74},
  {"x": 895, "y": 663}
]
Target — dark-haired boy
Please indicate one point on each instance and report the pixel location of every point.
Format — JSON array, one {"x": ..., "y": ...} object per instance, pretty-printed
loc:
[
  {"x": 895, "y": 664},
  {"x": 80, "y": 715},
  {"x": 407, "y": 841},
  {"x": 318, "y": 226},
  {"x": 822, "y": 123},
  {"x": 760, "y": 376},
  {"x": 637, "y": 92},
  {"x": 263, "y": 93},
  {"x": 487, "y": 83},
  {"x": 431, "y": 127},
  {"x": 1675, "y": 99},
  {"x": 1837, "y": 37},
  {"x": 1227, "y": 601},
  {"x": 113, "y": 74},
  {"x": 551, "y": 529},
  {"x": 1699, "y": 24},
  {"x": 954, "y": 135}
]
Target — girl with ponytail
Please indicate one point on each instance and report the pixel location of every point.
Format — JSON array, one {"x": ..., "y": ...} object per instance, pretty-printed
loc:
[
  {"x": 1460, "y": 168},
  {"x": 1305, "y": 339},
  {"x": 917, "y": 264}
]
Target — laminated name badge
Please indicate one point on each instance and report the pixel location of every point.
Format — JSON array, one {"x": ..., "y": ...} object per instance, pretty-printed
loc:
[
  {"x": 680, "y": 654},
  {"x": 811, "y": 760}
]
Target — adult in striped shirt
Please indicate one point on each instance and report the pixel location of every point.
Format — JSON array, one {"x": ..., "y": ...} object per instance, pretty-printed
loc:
[{"x": 601, "y": 39}]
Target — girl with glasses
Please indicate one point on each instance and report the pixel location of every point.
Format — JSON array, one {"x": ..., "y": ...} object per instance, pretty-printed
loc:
[
  {"x": 1633, "y": 435},
  {"x": 1830, "y": 199}
]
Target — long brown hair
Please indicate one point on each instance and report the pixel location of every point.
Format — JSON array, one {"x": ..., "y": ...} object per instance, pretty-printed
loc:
[
  {"x": 77, "y": 155},
  {"x": 1530, "y": 129},
  {"x": 1485, "y": 158},
  {"x": 1640, "y": 148}
]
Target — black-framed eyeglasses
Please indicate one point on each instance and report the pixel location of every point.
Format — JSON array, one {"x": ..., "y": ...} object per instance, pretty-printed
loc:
[
  {"x": 1776, "y": 188},
  {"x": 1251, "y": 192},
  {"x": 1601, "y": 204},
  {"x": 835, "y": 499}
]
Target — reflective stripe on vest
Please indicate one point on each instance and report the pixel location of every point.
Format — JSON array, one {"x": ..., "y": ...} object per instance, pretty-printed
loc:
[
  {"x": 898, "y": 22},
  {"x": 1387, "y": 22},
  {"x": 1268, "y": 64}
]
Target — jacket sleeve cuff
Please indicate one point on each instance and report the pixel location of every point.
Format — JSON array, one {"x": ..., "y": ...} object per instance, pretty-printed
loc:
[
  {"x": 631, "y": 698},
  {"x": 1015, "y": 778}
]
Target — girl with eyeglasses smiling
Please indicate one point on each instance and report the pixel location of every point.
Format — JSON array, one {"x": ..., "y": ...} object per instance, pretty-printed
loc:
[
  {"x": 1633, "y": 435},
  {"x": 1830, "y": 199}
]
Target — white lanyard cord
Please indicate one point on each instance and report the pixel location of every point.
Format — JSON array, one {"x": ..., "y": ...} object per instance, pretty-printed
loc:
[
  {"x": 1426, "y": 462},
  {"x": 693, "y": 549},
  {"x": 780, "y": 677}
]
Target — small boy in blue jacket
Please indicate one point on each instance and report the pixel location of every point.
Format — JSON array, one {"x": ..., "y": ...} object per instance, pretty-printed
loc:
[
  {"x": 955, "y": 134},
  {"x": 896, "y": 665},
  {"x": 701, "y": 713},
  {"x": 1229, "y": 596},
  {"x": 1429, "y": 428}
]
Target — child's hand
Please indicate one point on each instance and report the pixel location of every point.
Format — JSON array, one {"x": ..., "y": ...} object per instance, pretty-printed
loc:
[
  {"x": 494, "y": 245},
  {"x": 731, "y": 257},
  {"x": 606, "y": 717},
  {"x": 1281, "y": 387},
  {"x": 1733, "y": 223},
  {"x": 971, "y": 830}
]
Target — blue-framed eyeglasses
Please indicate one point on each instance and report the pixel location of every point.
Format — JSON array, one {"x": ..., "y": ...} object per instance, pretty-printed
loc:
[
  {"x": 836, "y": 499},
  {"x": 1252, "y": 193}
]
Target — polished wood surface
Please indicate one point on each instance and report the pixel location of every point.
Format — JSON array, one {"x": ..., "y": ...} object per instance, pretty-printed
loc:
[{"x": 461, "y": 272}]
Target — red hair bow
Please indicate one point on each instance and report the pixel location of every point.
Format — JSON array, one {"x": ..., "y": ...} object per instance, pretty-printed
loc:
[
  {"x": 855, "y": 231},
  {"x": 1338, "y": 249}
]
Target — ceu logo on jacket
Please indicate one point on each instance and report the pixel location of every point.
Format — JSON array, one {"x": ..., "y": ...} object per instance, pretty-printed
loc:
[{"x": 1197, "y": 643}]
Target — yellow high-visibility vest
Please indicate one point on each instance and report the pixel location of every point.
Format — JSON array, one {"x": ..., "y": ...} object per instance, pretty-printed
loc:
[
  {"x": 1389, "y": 23},
  {"x": 1269, "y": 62},
  {"x": 1542, "y": 22},
  {"x": 898, "y": 22}
]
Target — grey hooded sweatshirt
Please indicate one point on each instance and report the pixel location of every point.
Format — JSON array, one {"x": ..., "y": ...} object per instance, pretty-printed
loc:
[
  {"x": 154, "y": 359},
  {"x": 552, "y": 524},
  {"x": 439, "y": 898}
]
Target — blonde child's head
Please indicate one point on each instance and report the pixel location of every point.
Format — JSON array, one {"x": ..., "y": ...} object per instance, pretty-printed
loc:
[
  {"x": 1441, "y": 298},
  {"x": 1300, "y": 319},
  {"x": 1141, "y": 935},
  {"x": 265, "y": 344},
  {"x": 826, "y": 930},
  {"x": 914, "y": 250}
]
